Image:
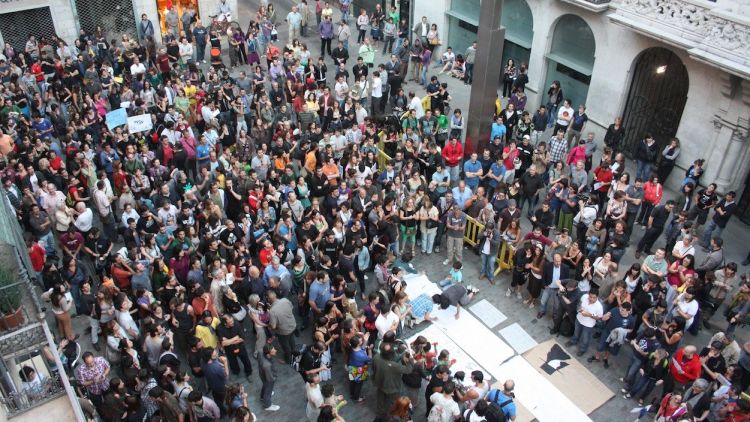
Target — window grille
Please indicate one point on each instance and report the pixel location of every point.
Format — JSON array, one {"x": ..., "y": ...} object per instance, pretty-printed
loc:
[
  {"x": 116, "y": 17},
  {"x": 17, "y": 26}
]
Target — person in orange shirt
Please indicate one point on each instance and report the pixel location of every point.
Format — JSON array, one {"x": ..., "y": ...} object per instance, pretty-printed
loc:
[
  {"x": 331, "y": 170},
  {"x": 311, "y": 158}
]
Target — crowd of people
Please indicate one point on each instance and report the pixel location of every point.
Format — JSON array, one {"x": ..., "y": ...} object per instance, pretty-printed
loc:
[{"x": 293, "y": 197}]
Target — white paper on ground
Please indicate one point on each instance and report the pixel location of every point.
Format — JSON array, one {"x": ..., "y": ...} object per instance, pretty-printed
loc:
[
  {"x": 518, "y": 338},
  {"x": 539, "y": 396},
  {"x": 484, "y": 346},
  {"x": 488, "y": 313},
  {"x": 417, "y": 284},
  {"x": 464, "y": 362}
]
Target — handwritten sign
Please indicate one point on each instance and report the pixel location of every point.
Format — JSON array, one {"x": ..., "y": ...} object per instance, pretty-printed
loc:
[{"x": 140, "y": 123}]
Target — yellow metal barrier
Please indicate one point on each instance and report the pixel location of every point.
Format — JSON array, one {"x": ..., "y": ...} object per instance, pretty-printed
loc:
[
  {"x": 504, "y": 259},
  {"x": 472, "y": 231},
  {"x": 382, "y": 157}
]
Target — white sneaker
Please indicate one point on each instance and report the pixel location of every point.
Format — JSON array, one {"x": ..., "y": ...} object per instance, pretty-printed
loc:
[
  {"x": 446, "y": 262},
  {"x": 272, "y": 408},
  {"x": 367, "y": 278},
  {"x": 508, "y": 293},
  {"x": 519, "y": 296}
]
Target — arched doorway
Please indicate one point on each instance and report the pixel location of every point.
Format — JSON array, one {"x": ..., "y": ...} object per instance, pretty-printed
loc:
[
  {"x": 519, "y": 31},
  {"x": 656, "y": 98},
  {"x": 571, "y": 58}
]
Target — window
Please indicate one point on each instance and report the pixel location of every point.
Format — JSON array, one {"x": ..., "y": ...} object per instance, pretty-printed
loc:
[{"x": 571, "y": 58}]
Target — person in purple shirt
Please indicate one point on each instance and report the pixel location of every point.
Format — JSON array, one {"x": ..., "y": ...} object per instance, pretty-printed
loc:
[{"x": 326, "y": 35}]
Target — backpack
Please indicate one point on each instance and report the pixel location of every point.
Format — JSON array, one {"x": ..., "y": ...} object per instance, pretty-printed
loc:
[
  {"x": 297, "y": 356},
  {"x": 495, "y": 411}
]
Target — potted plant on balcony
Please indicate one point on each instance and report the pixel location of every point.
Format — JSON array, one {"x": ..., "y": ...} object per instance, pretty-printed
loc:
[{"x": 10, "y": 300}]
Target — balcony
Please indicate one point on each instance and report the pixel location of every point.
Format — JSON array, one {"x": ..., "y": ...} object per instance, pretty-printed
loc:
[
  {"x": 711, "y": 32},
  {"x": 596, "y": 6},
  {"x": 34, "y": 384}
]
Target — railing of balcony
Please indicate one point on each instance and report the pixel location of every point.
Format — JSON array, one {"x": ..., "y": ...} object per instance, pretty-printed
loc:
[{"x": 29, "y": 378}]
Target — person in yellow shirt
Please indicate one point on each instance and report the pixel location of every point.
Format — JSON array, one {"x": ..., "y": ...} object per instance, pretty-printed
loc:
[
  {"x": 205, "y": 330},
  {"x": 498, "y": 105}
]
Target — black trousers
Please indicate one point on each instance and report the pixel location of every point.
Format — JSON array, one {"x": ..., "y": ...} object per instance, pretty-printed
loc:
[
  {"x": 325, "y": 46},
  {"x": 286, "y": 342},
  {"x": 648, "y": 239},
  {"x": 234, "y": 359}
]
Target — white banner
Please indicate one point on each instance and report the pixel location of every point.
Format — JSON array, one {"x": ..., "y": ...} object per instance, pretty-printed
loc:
[{"x": 140, "y": 123}]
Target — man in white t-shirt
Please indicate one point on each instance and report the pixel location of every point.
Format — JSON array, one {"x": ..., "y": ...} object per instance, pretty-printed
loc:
[
  {"x": 388, "y": 320},
  {"x": 444, "y": 404},
  {"x": 137, "y": 68},
  {"x": 564, "y": 116},
  {"x": 589, "y": 311}
]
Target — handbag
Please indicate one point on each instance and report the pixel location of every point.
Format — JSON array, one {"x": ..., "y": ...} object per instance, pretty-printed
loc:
[{"x": 435, "y": 41}]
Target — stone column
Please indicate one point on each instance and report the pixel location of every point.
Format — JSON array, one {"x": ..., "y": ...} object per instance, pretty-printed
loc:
[
  {"x": 729, "y": 177},
  {"x": 487, "y": 68}
]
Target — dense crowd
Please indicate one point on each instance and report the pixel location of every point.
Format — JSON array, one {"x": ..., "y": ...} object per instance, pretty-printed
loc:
[{"x": 294, "y": 197}]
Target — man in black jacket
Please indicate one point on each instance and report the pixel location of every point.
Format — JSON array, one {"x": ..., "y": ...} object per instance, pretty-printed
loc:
[
  {"x": 645, "y": 156},
  {"x": 553, "y": 272},
  {"x": 531, "y": 182}
]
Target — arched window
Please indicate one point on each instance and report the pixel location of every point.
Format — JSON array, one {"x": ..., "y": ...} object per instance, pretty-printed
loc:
[
  {"x": 519, "y": 31},
  {"x": 571, "y": 58}
]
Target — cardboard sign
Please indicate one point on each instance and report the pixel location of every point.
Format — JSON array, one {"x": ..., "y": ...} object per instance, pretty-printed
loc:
[{"x": 140, "y": 123}]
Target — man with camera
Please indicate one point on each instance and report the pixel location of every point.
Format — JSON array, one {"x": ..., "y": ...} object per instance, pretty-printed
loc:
[
  {"x": 388, "y": 374},
  {"x": 588, "y": 210}
]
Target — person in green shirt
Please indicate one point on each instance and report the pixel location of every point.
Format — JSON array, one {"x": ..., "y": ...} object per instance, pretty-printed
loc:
[
  {"x": 367, "y": 52},
  {"x": 394, "y": 14},
  {"x": 410, "y": 121}
]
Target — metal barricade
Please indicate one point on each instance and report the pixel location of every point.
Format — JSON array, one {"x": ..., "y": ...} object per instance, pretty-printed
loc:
[
  {"x": 504, "y": 260},
  {"x": 472, "y": 231}
]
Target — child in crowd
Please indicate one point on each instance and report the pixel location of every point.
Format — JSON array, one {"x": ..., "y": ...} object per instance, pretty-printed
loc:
[{"x": 454, "y": 276}]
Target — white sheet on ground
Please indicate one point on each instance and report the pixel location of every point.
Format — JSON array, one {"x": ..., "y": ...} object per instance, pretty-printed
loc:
[
  {"x": 487, "y": 313},
  {"x": 464, "y": 362},
  {"x": 539, "y": 396},
  {"x": 480, "y": 342},
  {"x": 416, "y": 284},
  {"x": 518, "y": 338}
]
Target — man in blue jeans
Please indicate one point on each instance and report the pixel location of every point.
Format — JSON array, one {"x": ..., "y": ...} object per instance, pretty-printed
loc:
[{"x": 589, "y": 312}]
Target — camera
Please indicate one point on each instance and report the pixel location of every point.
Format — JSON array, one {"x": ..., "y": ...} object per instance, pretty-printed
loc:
[{"x": 583, "y": 196}]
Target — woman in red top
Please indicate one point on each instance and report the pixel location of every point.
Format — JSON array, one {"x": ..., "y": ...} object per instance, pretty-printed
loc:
[
  {"x": 653, "y": 191},
  {"x": 680, "y": 271},
  {"x": 670, "y": 407}
]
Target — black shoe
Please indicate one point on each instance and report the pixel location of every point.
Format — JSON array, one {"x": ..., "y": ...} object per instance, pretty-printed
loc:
[
  {"x": 579, "y": 354},
  {"x": 539, "y": 315},
  {"x": 87, "y": 330},
  {"x": 569, "y": 343},
  {"x": 706, "y": 324},
  {"x": 592, "y": 359},
  {"x": 606, "y": 364},
  {"x": 96, "y": 347},
  {"x": 746, "y": 262},
  {"x": 597, "y": 334},
  {"x": 552, "y": 331}
]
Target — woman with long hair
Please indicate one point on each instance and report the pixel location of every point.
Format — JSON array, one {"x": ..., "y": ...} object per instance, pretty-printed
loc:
[
  {"x": 534, "y": 287},
  {"x": 61, "y": 305}
]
